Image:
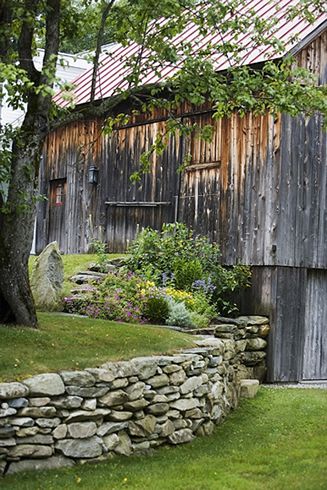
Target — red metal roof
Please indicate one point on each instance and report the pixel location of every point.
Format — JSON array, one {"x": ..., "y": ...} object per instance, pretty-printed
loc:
[{"x": 113, "y": 71}]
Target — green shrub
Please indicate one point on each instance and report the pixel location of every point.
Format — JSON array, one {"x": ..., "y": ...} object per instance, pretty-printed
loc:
[
  {"x": 199, "y": 321},
  {"x": 156, "y": 310},
  {"x": 186, "y": 272},
  {"x": 179, "y": 315}
]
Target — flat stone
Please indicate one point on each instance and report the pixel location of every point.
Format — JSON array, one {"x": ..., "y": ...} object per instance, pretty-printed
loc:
[
  {"x": 249, "y": 388},
  {"x": 101, "y": 374},
  {"x": 39, "y": 465},
  {"x": 158, "y": 381},
  {"x": 49, "y": 384},
  {"x": 30, "y": 451},
  {"x": 158, "y": 408},
  {"x": 35, "y": 412},
  {"x": 206, "y": 429},
  {"x": 27, "y": 431},
  {"x": 18, "y": 403},
  {"x": 144, "y": 367},
  {"x": 181, "y": 436},
  {"x": 253, "y": 358},
  {"x": 82, "y": 430},
  {"x": 13, "y": 390},
  {"x": 60, "y": 432},
  {"x": 136, "y": 405},
  {"x": 171, "y": 368},
  {"x": 80, "y": 448},
  {"x": 87, "y": 392},
  {"x": 86, "y": 415},
  {"x": 184, "y": 404},
  {"x": 253, "y": 320},
  {"x": 90, "y": 404},
  {"x": 86, "y": 278},
  {"x": 114, "y": 398},
  {"x": 120, "y": 416},
  {"x": 22, "y": 421},
  {"x": 7, "y": 431},
  {"x": 67, "y": 402},
  {"x": 143, "y": 427},
  {"x": 135, "y": 390},
  {"x": 111, "y": 427},
  {"x": 122, "y": 369},
  {"x": 256, "y": 344},
  {"x": 78, "y": 378},
  {"x": 39, "y": 402},
  {"x": 124, "y": 445},
  {"x": 178, "y": 377},
  {"x": 263, "y": 330},
  {"x": 111, "y": 441},
  {"x": 8, "y": 442},
  {"x": 191, "y": 384},
  {"x": 119, "y": 383},
  {"x": 37, "y": 439},
  {"x": 48, "y": 423},
  {"x": 7, "y": 412},
  {"x": 167, "y": 429}
]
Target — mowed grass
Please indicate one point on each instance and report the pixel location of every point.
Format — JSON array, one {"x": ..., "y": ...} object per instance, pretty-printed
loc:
[
  {"x": 71, "y": 342},
  {"x": 276, "y": 441}
]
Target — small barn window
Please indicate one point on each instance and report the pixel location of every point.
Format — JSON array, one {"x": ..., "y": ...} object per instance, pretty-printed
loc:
[{"x": 58, "y": 192}]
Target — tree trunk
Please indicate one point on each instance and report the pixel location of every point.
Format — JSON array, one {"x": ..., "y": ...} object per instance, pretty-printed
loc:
[{"x": 16, "y": 232}]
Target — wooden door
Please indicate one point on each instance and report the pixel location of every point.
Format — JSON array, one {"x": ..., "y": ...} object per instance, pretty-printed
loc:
[
  {"x": 315, "y": 340},
  {"x": 57, "y": 221}
]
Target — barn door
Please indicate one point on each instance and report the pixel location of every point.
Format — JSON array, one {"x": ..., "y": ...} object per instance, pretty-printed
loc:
[
  {"x": 57, "y": 223},
  {"x": 149, "y": 202},
  {"x": 315, "y": 342}
]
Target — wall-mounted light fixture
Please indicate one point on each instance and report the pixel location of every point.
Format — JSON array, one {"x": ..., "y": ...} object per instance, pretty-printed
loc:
[{"x": 93, "y": 173}]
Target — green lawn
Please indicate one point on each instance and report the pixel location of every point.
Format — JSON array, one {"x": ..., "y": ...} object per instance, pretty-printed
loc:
[
  {"x": 277, "y": 441},
  {"x": 67, "y": 342}
]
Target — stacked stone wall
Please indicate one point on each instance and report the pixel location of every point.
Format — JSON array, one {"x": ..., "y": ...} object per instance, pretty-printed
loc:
[{"x": 60, "y": 419}]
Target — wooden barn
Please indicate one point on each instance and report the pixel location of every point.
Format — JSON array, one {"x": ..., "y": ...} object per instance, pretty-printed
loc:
[{"x": 259, "y": 189}]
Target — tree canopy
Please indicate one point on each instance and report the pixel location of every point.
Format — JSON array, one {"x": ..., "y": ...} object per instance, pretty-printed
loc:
[{"x": 58, "y": 25}]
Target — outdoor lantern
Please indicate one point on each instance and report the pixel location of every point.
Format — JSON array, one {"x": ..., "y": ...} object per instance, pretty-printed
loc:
[{"x": 93, "y": 175}]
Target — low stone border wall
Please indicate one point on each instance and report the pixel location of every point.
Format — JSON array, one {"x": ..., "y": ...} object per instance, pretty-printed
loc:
[{"x": 59, "y": 419}]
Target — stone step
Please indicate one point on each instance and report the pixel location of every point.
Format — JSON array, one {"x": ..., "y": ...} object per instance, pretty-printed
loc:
[{"x": 249, "y": 388}]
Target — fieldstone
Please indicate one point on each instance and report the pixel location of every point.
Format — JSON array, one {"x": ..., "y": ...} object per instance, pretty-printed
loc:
[
  {"x": 171, "y": 368},
  {"x": 111, "y": 427},
  {"x": 7, "y": 431},
  {"x": 206, "y": 429},
  {"x": 122, "y": 369},
  {"x": 12, "y": 390},
  {"x": 143, "y": 427},
  {"x": 114, "y": 398},
  {"x": 144, "y": 367},
  {"x": 173, "y": 414},
  {"x": 180, "y": 424},
  {"x": 7, "y": 442},
  {"x": 120, "y": 416},
  {"x": 256, "y": 344},
  {"x": 249, "y": 388},
  {"x": 240, "y": 345},
  {"x": 252, "y": 329},
  {"x": 101, "y": 374},
  {"x": 27, "y": 431},
  {"x": 201, "y": 390},
  {"x": 30, "y": 451},
  {"x": 82, "y": 430},
  {"x": 47, "y": 278},
  {"x": 191, "y": 384},
  {"x": 253, "y": 320},
  {"x": 158, "y": 408},
  {"x": 216, "y": 390},
  {"x": 136, "y": 405},
  {"x": 184, "y": 404},
  {"x": 111, "y": 441},
  {"x": 39, "y": 465},
  {"x": 7, "y": 412},
  {"x": 39, "y": 402},
  {"x": 87, "y": 392},
  {"x": 48, "y": 423},
  {"x": 18, "y": 403},
  {"x": 124, "y": 445},
  {"x": 119, "y": 383},
  {"x": 141, "y": 446},
  {"x": 195, "y": 413},
  {"x": 85, "y": 415},
  {"x": 36, "y": 412},
  {"x": 160, "y": 398},
  {"x": 135, "y": 390},
  {"x": 37, "y": 439},
  {"x": 253, "y": 358},
  {"x": 80, "y": 448},
  {"x": 90, "y": 404},
  {"x": 77, "y": 378},
  {"x": 172, "y": 396},
  {"x": 181, "y": 436},
  {"x": 264, "y": 330},
  {"x": 85, "y": 277},
  {"x": 178, "y": 377},
  {"x": 68, "y": 402},
  {"x": 49, "y": 384},
  {"x": 166, "y": 429},
  {"x": 60, "y": 432},
  {"x": 158, "y": 381},
  {"x": 3, "y": 465}
]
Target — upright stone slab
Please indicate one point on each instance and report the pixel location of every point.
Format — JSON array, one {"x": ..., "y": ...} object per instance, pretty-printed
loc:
[{"x": 47, "y": 278}]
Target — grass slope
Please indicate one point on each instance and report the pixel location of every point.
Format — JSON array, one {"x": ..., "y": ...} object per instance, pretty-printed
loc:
[
  {"x": 277, "y": 441},
  {"x": 66, "y": 342}
]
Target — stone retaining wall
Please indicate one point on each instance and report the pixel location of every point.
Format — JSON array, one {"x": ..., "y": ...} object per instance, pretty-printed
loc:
[{"x": 58, "y": 419}]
